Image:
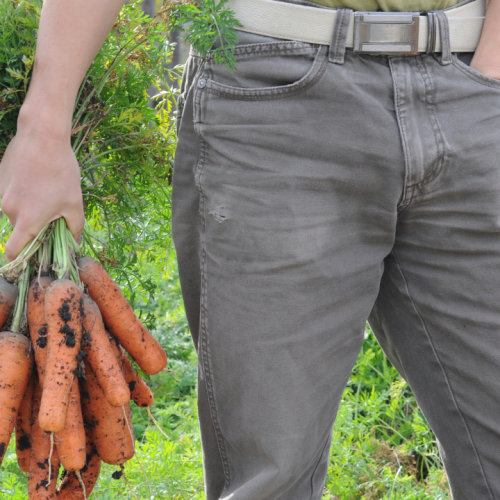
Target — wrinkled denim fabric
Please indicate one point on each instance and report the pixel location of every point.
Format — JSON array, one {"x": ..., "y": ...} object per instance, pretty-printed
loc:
[{"x": 309, "y": 197}]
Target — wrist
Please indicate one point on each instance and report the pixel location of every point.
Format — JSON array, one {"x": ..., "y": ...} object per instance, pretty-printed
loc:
[{"x": 43, "y": 115}]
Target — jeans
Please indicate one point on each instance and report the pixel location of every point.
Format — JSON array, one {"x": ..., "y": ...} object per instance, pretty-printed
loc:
[{"x": 312, "y": 193}]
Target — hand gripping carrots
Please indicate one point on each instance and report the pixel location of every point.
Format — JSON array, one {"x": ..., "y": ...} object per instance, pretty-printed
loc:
[{"x": 65, "y": 381}]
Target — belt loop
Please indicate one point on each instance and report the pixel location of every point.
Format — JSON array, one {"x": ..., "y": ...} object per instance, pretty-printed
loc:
[
  {"x": 339, "y": 38},
  {"x": 444, "y": 29},
  {"x": 432, "y": 29}
]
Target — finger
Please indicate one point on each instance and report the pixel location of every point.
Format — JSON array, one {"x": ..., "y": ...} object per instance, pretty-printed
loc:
[
  {"x": 75, "y": 221},
  {"x": 19, "y": 238}
]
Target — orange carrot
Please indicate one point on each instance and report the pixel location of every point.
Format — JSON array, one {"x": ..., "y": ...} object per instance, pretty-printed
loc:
[
  {"x": 70, "y": 487},
  {"x": 101, "y": 358},
  {"x": 39, "y": 486},
  {"x": 24, "y": 426},
  {"x": 16, "y": 367},
  {"x": 8, "y": 296},
  {"x": 63, "y": 314},
  {"x": 120, "y": 319},
  {"x": 70, "y": 442},
  {"x": 36, "y": 322},
  {"x": 110, "y": 429},
  {"x": 139, "y": 390}
]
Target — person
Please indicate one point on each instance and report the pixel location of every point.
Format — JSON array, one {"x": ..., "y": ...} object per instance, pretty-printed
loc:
[{"x": 333, "y": 178}]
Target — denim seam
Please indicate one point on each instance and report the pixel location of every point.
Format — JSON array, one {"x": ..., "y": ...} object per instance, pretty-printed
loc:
[
  {"x": 406, "y": 199},
  {"x": 204, "y": 344},
  {"x": 328, "y": 442},
  {"x": 434, "y": 350},
  {"x": 271, "y": 93},
  {"x": 477, "y": 78},
  {"x": 438, "y": 133},
  {"x": 269, "y": 49}
]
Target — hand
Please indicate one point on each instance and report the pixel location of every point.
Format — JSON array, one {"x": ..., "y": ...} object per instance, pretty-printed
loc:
[
  {"x": 483, "y": 66},
  {"x": 39, "y": 182},
  {"x": 486, "y": 60}
]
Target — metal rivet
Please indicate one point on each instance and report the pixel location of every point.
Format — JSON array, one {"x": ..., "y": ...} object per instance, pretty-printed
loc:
[{"x": 202, "y": 83}]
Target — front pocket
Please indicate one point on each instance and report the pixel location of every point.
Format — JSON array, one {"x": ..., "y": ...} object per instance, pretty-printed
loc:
[
  {"x": 268, "y": 71},
  {"x": 475, "y": 75}
]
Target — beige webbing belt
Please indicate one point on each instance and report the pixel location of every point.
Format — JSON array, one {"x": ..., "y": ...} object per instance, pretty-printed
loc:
[{"x": 367, "y": 32}]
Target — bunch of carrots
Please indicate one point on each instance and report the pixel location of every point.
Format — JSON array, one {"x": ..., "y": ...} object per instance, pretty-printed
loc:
[{"x": 65, "y": 376}]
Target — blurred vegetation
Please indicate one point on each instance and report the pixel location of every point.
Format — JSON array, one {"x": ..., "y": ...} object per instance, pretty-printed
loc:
[{"x": 125, "y": 146}]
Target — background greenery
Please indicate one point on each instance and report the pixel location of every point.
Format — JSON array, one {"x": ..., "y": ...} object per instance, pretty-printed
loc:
[{"x": 382, "y": 447}]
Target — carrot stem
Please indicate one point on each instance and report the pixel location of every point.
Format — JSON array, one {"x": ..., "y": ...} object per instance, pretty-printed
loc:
[
  {"x": 65, "y": 248},
  {"x": 20, "y": 307},
  {"x": 29, "y": 250}
]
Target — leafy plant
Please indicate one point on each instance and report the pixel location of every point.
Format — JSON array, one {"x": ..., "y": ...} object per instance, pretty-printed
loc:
[
  {"x": 208, "y": 26},
  {"x": 124, "y": 145}
]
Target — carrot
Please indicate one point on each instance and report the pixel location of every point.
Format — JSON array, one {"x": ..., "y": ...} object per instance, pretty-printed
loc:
[
  {"x": 101, "y": 358},
  {"x": 24, "y": 426},
  {"x": 36, "y": 322},
  {"x": 39, "y": 485},
  {"x": 70, "y": 442},
  {"x": 63, "y": 314},
  {"x": 70, "y": 487},
  {"x": 120, "y": 319},
  {"x": 139, "y": 390},
  {"x": 111, "y": 433},
  {"x": 16, "y": 367},
  {"x": 8, "y": 296}
]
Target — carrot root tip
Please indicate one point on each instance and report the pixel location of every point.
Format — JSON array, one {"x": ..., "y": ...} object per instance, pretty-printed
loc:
[
  {"x": 156, "y": 423},
  {"x": 79, "y": 476}
]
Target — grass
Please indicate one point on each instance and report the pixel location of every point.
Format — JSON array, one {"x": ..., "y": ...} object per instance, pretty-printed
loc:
[{"x": 382, "y": 446}]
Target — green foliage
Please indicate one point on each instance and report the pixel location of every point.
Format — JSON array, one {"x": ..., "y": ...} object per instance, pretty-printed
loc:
[
  {"x": 124, "y": 145},
  {"x": 125, "y": 148},
  {"x": 209, "y": 25},
  {"x": 18, "y": 24},
  {"x": 382, "y": 447}
]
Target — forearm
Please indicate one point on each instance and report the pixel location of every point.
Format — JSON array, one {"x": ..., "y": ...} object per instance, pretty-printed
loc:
[
  {"x": 70, "y": 35},
  {"x": 487, "y": 56}
]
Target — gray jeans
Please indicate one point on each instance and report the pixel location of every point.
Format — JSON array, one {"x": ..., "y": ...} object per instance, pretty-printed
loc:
[{"x": 312, "y": 193}]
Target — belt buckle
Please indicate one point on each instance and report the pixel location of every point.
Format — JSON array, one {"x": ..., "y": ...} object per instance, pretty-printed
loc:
[{"x": 386, "y": 32}]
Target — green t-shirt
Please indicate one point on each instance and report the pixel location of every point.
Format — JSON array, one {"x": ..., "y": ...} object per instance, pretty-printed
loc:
[{"x": 389, "y": 5}]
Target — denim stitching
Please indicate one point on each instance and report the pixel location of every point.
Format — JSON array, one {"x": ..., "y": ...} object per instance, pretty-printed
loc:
[
  {"x": 339, "y": 45},
  {"x": 243, "y": 94},
  {"x": 407, "y": 190},
  {"x": 438, "y": 133},
  {"x": 444, "y": 372},
  {"x": 203, "y": 341},
  {"x": 269, "y": 48},
  {"x": 476, "y": 77},
  {"x": 327, "y": 444}
]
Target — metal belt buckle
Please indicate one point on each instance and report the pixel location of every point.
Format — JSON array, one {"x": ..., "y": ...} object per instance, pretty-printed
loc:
[{"x": 386, "y": 32}]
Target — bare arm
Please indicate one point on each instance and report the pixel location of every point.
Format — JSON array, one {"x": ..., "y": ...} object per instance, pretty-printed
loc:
[
  {"x": 487, "y": 57},
  {"x": 39, "y": 173}
]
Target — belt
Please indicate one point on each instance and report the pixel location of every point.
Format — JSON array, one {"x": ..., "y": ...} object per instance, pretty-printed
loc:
[{"x": 368, "y": 32}]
